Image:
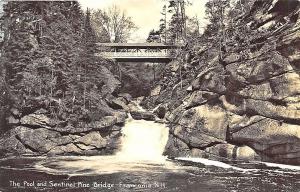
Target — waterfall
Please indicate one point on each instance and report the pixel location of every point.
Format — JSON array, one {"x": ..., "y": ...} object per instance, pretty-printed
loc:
[{"x": 143, "y": 141}]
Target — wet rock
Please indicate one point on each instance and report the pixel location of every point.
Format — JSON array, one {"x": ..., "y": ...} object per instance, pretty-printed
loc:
[
  {"x": 120, "y": 117},
  {"x": 227, "y": 152},
  {"x": 68, "y": 149},
  {"x": 176, "y": 148},
  {"x": 37, "y": 140},
  {"x": 138, "y": 115},
  {"x": 92, "y": 139},
  {"x": 246, "y": 153},
  {"x": 160, "y": 111},
  {"x": 10, "y": 144},
  {"x": 280, "y": 141},
  {"x": 119, "y": 103},
  {"x": 194, "y": 137}
]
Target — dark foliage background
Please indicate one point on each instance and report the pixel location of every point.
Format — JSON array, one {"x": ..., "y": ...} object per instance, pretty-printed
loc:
[{"x": 48, "y": 63}]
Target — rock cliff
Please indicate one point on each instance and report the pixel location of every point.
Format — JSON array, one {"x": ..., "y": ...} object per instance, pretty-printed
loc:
[{"x": 244, "y": 105}]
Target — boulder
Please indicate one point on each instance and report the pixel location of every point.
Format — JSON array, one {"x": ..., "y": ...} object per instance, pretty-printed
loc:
[
  {"x": 233, "y": 152},
  {"x": 275, "y": 139},
  {"x": 226, "y": 152},
  {"x": 246, "y": 153},
  {"x": 194, "y": 137},
  {"x": 198, "y": 98},
  {"x": 262, "y": 91},
  {"x": 258, "y": 70},
  {"x": 106, "y": 122},
  {"x": 233, "y": 104},
  {"x": 270, "y": 110},
  {"x": 212, "y": 79},
  {"x": 210, "y": 120},
  {"x": 93, "y": 139},
  {"x": 65, "y": 149},
  {"x": 35, "y": 120},
  {"x": 118, "y": 103},
  {"x": 40, "y": 141},
  {"x": 37, "y": 140},
  {"x": 285, "y": 85},
  {"x": 10, "y": 144},
  {"x": 138, "y": 115},
  {"x": 176, "y": 148},
  {"x": 111, "y": 84},
  {"x": 160, "y": 111}
]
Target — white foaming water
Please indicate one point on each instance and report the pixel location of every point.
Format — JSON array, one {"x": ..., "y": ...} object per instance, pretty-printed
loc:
[
  {"x": 282, "y": 166},
  {"x": 210, "y": 163},
  {"x": 143, "y": 141},
  {"x": 142, "y": 146}
]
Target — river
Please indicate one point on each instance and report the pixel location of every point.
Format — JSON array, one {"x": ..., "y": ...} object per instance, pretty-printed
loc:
[{"x": 140, "y": 166}]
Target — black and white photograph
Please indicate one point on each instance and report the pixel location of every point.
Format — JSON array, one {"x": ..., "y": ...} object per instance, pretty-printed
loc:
[{"x": 150, "y": 96}]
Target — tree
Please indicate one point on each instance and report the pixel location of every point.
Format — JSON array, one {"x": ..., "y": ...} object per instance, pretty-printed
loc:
[
  {"x": 216, "y": 11},
  {"x": 113, "y": 23},
  {"x": 154, "y": 36},
  {"x": 178, "y": 22},
  {"x": 42, "y": 42},
  {"x": 163, "y": 25}
]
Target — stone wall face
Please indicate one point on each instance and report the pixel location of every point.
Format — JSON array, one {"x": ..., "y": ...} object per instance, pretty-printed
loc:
[
  {"x": 36, "y": 134},
  {"x": 242, "y": 108}
]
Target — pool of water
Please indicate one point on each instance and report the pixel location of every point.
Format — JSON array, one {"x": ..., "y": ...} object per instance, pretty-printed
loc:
[{"x": 108, "y": 173}]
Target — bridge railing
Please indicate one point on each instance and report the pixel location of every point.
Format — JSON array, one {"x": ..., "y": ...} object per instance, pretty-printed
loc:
[{"x": 147, "y": 54}]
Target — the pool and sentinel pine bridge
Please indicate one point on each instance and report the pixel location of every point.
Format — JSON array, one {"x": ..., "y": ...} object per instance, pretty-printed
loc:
[{"x": 138, "y": 52}]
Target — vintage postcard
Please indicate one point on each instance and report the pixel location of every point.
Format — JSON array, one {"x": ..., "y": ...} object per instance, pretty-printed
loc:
[{"x": 149, "y": 95}]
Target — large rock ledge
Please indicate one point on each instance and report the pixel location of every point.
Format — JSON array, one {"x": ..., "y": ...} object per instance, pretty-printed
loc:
[
  {"x": 35, "y": 134},
  {"x": 240, "y": 107}
]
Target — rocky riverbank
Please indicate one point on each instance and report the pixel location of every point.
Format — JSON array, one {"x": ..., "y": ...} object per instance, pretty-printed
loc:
[
  {"x": 34, "y": 130},
  {"x": 245, "y": 105}
]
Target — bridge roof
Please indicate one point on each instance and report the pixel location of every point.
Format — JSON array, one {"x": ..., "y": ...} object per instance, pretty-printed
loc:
[{"x": 138, "y": 45}]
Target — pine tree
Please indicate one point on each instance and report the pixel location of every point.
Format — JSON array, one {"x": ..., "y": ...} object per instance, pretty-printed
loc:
[{"x": 154, "y": 36}]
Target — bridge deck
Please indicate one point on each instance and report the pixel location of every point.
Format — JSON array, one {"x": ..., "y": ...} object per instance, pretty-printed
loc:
[
  {"x": 138, "y": 45},
  {"x": 137, "y": 56},
  {"x": 137, "y": 52}
]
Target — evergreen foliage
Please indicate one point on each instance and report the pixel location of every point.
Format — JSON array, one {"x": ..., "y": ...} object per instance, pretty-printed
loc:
[{"x": 48, "y": 60}]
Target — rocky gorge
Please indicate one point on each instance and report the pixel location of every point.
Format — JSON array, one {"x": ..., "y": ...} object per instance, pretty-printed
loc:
[{"x": 241, "y": 105}]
